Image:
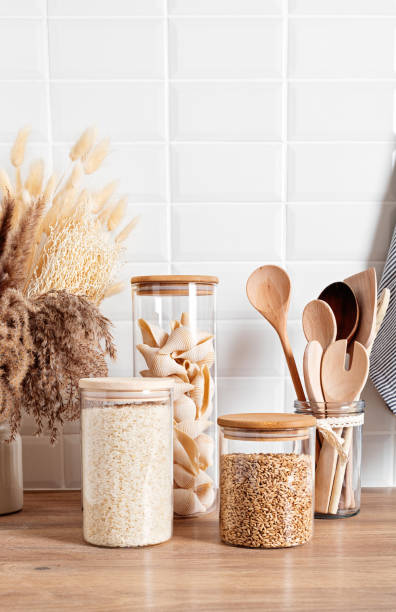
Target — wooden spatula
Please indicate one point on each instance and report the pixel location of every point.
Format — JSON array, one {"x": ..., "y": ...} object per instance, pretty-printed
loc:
[
  {"x": 339, "y": 384},
  {"x": 364, "y": 286}
]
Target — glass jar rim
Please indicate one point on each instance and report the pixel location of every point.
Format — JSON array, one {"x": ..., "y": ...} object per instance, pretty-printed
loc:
[{"x": 325, "y": 409}]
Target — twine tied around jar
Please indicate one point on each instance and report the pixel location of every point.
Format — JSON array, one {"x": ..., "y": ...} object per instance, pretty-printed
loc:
[{"x": 325, "y": 426}]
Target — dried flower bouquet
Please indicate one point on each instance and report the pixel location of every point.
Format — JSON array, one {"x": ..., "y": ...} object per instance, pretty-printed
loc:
[
  {"x": 58, "y": 257},
  {"x": 75, "y": 247}
]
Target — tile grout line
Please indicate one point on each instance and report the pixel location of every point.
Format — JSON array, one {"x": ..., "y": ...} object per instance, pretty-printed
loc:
[
  {"x": 167, "y": 137},
  {"x": 284, "y": 171},
  {"x": 47, "y": 59}
]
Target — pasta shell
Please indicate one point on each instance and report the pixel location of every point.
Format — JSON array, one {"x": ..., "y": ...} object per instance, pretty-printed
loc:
[
  {"x": 203, "y": 406},
  {"x": 174, "y": 325},
  {"x": 161, "y": 365},
  {"x": 186, "y": 502},
  {"x": 146, "y": 374},
  {"x": 182, "y": 477},
  {"x": 208, "y": 360},
  {"x": 193, "y": 428},
  {"x": 205, "y": 446},
  {"x": 191, "y": 368},
  {"x": 191, "y": 450},
  {"x": 181, "y": 387},
  {"x": 206, "y": 495},
  {"x": 203, "y": 335},
  {"x": 202, "y": 479},
  {"x": 198, "y": 392},
  {"x": 181, "y": 457},
  {"x": 181, "y": 339},
  {"x": 185, "y": 319},
  {"x": 198, "y": 352},
  {"x": 152, "y": 335},
  {"x": 184, "y": 409}
]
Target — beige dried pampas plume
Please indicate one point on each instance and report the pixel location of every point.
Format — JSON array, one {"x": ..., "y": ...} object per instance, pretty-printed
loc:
[{"x": 66, "y": 200}]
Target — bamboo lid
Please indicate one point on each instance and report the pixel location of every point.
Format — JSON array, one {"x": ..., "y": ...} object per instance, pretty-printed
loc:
[
  {"x": 168, "y": 279},
  {"x": 126, "y": 384},
  {"x": 267, "y": 421}
]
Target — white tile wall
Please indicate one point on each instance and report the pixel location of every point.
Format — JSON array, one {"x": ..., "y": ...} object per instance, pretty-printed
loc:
[{"x": 244, "y": 132}]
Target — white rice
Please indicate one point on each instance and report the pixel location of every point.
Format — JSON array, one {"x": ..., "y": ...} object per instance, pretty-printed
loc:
[{"x": 127, "y": 473}]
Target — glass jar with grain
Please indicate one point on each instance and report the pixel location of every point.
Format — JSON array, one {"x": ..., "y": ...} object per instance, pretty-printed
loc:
[
  {"x": 267, "y": 468},
  {"x": 174, "y": 336},
  {"x": 126, "y": 434}
]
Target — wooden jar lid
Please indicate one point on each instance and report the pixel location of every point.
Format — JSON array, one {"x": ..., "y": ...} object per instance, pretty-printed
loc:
[
  {"x": 266, "y": 421},
  {"x": 126, "y": 384},
  {"x": 168, "y": 279}
]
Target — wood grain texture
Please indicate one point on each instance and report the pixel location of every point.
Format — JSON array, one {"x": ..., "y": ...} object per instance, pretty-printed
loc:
[
  {"x": 319, "y": 323},
  {"x": 45, "y": 565}
]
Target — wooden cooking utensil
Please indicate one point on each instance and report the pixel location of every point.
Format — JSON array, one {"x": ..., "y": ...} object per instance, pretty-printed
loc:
[
  {"x": 319, "y": 323},
  {"x": 364, "y": 286},
  {"x": 311, "y": 366},
  {"x": 268, "y": 290},
  {"x": 342, "y": 300},
  {"x": 339, "y": 384},
  {"x": 327, "y": 459}
]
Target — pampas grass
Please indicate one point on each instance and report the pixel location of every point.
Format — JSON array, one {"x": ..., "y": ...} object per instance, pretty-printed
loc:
[
  {"x": 96, "y": 156},
  {"x": 84, "y": 144},
  {"x": 48, "y": 342},
  {"x": 17, "y": 153},
  {"x": 65, "y": 201}
]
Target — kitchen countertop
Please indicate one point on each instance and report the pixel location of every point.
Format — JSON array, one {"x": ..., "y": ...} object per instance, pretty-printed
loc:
[{"x": 45, "y": 565}]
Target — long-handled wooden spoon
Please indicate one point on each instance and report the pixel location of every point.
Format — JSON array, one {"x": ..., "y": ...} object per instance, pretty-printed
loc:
[
  {"x": 268, "y": 291},
  {"x": 327, "y": 458},
  {"x": 342, "y": 300},
  {"x": 319, "y": 323}
]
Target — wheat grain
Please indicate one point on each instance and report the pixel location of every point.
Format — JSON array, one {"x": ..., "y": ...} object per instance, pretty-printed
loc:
[
  {"x": 17, "y": 153},
  {"x": 84, "y": 144},
  {"x": 96, "y": 156},
  {"x": 266, "y": 500}
]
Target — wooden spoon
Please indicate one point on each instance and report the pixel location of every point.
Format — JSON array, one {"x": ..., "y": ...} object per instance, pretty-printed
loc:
[
  {"x": 327, "y": 457},
  {"x": 319, "y": 323},
  {"x": 364, "y": 286},
  {"x": 339, "y": 384},
  {"x": 268, "y": 291},
  {"x": 342, "y": 300},
  {"x": 312, "y": 365}
]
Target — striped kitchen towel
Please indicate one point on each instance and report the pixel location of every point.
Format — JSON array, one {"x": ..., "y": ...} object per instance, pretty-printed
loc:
[{"x": 383, "y": 354}]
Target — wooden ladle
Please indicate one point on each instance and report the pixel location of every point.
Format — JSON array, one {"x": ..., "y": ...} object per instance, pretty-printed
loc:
[
  {"x": 319, "y": 323},
  {"x": 342, "y": 300},
  {"x": 268, "y": 291}
]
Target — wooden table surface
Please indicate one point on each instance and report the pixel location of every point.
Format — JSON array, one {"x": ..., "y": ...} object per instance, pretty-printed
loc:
[{"x": 45, "y": 565}]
